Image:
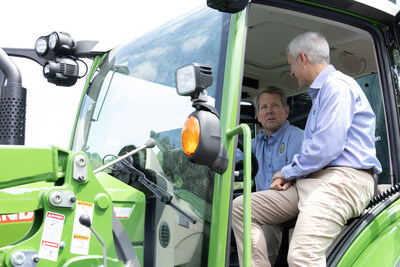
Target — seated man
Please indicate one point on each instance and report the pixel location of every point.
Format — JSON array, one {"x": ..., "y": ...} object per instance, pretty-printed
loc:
[
  {"x": 331, "y": 180},
  {"x": 273, "y": 149}
]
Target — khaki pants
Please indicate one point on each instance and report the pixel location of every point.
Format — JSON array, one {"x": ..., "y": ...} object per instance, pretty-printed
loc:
[
  {"x": 273, "y": 237},
  {"x": 323, "y": 202}
]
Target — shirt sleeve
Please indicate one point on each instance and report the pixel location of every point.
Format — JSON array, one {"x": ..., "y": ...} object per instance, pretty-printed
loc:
[
  {"x": 239, "y": 153},
  {"x": 326, "y": 130},
  {"x": 295, "y": 142}
]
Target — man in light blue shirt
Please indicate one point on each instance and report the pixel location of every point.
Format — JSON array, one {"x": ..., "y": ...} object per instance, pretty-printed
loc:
[
  {"x": 273, "y": 149},
  {"x": 331, "y": 180},
  {"x": 353, "y": 133}
]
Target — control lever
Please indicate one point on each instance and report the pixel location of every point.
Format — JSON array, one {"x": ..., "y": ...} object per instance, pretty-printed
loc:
[
  {"x": 84, "y": 219},
  {"x": 149, "y": 144}
]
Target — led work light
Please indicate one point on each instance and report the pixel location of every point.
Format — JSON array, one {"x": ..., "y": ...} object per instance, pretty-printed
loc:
[
  {"x": 201, "y": 133},
  {"x": 192, "y": 80},
  {"x": 61, "y": 71},
  {"x": 58, "y": 49}
]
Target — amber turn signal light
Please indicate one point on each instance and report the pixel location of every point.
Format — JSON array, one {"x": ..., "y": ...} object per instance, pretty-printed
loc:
[{"x": 190, "y": 135}]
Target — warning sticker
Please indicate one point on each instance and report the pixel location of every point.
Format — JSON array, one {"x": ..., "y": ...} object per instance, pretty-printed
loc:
[
  {"x": 81, "y": 234},
  {"x": 122, "y": 212},
  {"x": 51, "y": 236}
]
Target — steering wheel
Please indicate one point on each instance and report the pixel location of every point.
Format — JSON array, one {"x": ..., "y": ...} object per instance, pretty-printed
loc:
[
  {"x": 136, "y": 160},
  {"x": 239, "y": 164}
]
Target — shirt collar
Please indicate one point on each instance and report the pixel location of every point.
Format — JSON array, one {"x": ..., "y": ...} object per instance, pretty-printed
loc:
[
  {"x": 276, "y": 135},
  {"x": 322, "y": 76}
]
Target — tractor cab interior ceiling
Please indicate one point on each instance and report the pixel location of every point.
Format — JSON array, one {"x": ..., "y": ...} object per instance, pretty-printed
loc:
[{"x": 271, "y": 29}]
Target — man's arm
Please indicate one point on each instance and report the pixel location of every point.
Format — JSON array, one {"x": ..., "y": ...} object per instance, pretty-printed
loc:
[{"x": 326, "y": 133}]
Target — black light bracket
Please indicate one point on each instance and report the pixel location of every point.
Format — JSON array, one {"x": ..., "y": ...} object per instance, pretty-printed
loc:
[{"x": 200, "y": 105}]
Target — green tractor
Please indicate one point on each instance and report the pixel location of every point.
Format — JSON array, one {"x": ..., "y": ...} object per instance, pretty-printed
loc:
[{"x": 125, "y": 194}]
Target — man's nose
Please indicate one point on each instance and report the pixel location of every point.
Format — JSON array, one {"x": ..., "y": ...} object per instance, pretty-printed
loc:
[{"x": 292, "y": 74}]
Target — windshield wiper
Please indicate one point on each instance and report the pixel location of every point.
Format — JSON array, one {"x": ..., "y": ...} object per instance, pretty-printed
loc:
[{"x": 159, "y": 192}]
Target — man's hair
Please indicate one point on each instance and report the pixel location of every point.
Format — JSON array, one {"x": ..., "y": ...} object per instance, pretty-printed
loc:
[
  {"x": 270, "y": 90},
  {"x": 313, "y": 45}
]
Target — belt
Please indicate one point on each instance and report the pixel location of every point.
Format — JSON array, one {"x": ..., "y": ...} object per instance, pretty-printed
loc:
[{"x": 369, "y": 171}]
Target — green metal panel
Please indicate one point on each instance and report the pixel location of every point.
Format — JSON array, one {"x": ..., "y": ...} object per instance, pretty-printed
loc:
[
  {"x": 88, "y": 192},
  {"x": 230, "y": 98},
  {"x": 384, "y": 250},
  {"x": 128, "y": 198},
  {"x": 377, "y": 244},
  {"x": 15, "y": 200},
  {"x": 24, "y": 165},
  {"x": 21, "y": 164}
]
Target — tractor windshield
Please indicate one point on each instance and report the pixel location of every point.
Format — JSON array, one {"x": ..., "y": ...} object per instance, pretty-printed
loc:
[{"x": 132, "y": 98}]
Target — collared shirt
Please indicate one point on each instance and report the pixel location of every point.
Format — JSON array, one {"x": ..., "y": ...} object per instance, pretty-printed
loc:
[
  {"x": 273, "y": 152},
  {"x": 340, "y": 129}
]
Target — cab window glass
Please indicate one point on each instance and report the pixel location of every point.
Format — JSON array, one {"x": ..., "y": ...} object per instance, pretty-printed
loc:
[{"x": 133, "y": 98}]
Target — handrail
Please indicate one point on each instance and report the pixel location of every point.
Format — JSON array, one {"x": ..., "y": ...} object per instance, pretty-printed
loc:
[{"x": 245, "y": 129}]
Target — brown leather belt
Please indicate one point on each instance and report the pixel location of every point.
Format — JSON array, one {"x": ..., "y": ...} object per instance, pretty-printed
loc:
[{"x": 369, "y": 171}]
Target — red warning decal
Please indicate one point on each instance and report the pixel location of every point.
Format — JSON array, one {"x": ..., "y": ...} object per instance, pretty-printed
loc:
[
  {"x": 49, "y": 244},
  {"x": 17, "y": 217},
  {"x": 55, "y": 216}
]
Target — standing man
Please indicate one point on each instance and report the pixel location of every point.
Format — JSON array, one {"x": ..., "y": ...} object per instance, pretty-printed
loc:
[
  {"x": 273, "y": 149},
  {"x": 331, "y": 180}
]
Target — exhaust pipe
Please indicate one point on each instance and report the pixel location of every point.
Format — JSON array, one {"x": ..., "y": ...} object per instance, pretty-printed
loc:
[{"x": 12, "y": 103}]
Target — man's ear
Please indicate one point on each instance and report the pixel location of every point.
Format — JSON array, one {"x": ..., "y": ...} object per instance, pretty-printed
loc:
[
  {"x": 302, "y": 57},
  {"x": 287, "y": 109},
  {"x": 257, "y": 114}
]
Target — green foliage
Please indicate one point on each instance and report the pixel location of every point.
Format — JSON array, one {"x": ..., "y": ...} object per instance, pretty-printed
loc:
[{"x": 184, "y": 174}]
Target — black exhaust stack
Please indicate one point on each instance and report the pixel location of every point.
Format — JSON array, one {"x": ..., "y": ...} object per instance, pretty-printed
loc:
[{"x": 12, "y": 103}]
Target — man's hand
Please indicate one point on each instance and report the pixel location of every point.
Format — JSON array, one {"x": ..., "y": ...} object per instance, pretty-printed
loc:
[{"x": 279, "y": 183}]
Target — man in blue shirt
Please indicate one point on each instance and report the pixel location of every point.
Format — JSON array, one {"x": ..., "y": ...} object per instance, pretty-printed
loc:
[
  {"x": 331, "y": 180},
  {"x": 273, "y": 149},
  {"x": 280, "y": 141}
]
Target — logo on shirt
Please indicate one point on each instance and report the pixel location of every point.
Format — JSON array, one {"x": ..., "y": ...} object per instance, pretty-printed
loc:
[{"x": 282, "y": 147}]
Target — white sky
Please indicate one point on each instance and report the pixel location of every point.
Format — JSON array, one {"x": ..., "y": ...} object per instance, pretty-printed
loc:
[{"x": 51, "y": 110}]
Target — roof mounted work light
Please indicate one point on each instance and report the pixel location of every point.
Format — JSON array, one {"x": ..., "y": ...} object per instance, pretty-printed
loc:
[
  {"x": 61, "y": 43},
  {"x": 41, "y": 46},
  {"x": 58, "y": 49},
  {"x": 192, "y": 80},
  {"x": 56, "y": 43},
  {"x": 61, "y": 71}
]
